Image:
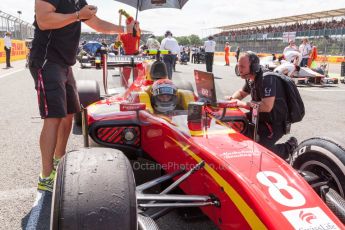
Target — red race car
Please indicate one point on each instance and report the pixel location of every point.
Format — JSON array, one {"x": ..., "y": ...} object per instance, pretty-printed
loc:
[{"x": 202, "y": 154}]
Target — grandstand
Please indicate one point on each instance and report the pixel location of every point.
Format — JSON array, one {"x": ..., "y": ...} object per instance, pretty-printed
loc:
[{"x": 326, "y": 29}]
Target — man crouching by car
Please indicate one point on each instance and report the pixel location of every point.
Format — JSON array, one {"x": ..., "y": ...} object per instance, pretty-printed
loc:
[
  {"x": 269, "y": 93},
  {"x": 57, "y": 32}
]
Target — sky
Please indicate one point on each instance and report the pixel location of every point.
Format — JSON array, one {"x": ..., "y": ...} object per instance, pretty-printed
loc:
[{"x": 197, "y": 16}]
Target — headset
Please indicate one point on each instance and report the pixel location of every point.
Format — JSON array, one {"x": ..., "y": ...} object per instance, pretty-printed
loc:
[{"x": 254, "y": 60}]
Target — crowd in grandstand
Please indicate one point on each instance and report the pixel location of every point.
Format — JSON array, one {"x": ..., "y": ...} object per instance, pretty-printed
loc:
[{"x": 334, "y": 24}]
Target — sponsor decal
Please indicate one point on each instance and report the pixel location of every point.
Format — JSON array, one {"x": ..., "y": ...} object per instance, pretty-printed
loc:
[
  {"x": 309, "y": 219},
  {"x": 151, "y": 133},
  {"x": 239, "y": 154},
  {"x": 268, "y": 92}
]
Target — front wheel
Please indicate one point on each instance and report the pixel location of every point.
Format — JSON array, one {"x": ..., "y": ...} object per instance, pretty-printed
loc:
[
  {"x": 94, "y": 189},
  {"x": 325, "y": 158}
]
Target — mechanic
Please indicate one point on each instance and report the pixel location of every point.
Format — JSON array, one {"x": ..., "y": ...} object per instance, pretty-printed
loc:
[
  {"x": 305, "y": 50},
  {"x": 164, "y": 96},
  {"x": 272, "y": 111},
  {"x": 171, "y": 44},
  {"x": 291, "y": 47},
  {"x": 287, "y": 68},
  {"x": 210, "y": 48},
  {"x": 57, "y": 33},
  {"x": 227, "y": 53}
]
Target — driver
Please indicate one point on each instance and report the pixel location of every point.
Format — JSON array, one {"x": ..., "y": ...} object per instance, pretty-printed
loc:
[{"x": 164, "y": 96}]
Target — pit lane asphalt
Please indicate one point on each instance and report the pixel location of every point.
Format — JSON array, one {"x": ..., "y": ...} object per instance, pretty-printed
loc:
[{"x": 20, "y": 128}]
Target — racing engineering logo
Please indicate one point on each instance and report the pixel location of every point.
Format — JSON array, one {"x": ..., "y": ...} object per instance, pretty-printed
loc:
[{"x": 309, "y": 219}]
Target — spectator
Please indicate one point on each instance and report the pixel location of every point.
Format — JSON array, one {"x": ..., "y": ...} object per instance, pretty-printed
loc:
[
  {"x": 210, "y": 47},
  {"x": 170, "y": 43},
  {"x": 227, "y": 53},
  {"x": 152, "y": 43},
  {"x": 7, "y": 48},
  {"x": 305, "y": 50},
  {"x": 53, "y": 53},
  {"x": 269, "y": 92}
]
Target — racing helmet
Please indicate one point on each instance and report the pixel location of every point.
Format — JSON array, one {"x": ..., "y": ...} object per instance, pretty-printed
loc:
[{"x": 164, "y": 95}]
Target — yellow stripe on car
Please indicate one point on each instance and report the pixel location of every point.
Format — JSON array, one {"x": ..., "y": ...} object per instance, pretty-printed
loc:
[{"x": 252, "y": 219}]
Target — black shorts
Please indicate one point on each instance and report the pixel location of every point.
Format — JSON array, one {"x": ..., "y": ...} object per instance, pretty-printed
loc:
[{"x": 56, "y": 90}]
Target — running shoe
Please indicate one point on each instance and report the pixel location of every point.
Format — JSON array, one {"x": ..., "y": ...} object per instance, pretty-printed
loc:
[{"x": 46, "y": 184}]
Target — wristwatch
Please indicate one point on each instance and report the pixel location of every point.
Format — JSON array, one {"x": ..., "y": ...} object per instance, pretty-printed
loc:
[{"x": 78, "y": 16}]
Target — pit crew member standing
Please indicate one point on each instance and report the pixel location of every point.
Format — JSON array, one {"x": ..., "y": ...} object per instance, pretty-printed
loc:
[
  {"x": 305, "y": 50},
  {"x": 210, "y": 48},
  {"x": 227, "y": 53},
  {"x": 170, "y": 43},
  {"x": 57, "y": 32},
  {"x": 269, "y": 92}
]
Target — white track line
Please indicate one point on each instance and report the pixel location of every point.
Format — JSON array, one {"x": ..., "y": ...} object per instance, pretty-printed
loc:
[
  {"x": 10, "y": 73},
  {"x": 35, "y": 211}
]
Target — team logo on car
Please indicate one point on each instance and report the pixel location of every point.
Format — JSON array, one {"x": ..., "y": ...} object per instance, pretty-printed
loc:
[{"x": 309, "y": 218}]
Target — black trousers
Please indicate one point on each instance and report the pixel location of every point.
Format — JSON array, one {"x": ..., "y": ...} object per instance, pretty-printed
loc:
[
  {"x": 209, "y": 61},
  {"x": 269, "y": 135},
  {"x": 8, "y": 56}
]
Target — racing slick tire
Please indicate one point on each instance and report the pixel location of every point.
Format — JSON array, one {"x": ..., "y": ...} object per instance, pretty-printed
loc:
[
  {"x": 89, "y": 92},
  {"x": 186, "y": 85},
  {"x": 94, "y": 189},
  {"x": 323, "y": 157}
]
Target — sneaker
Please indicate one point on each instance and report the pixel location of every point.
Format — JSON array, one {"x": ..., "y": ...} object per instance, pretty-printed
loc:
[
  {"x": 46, "y": 184},
  {"x": 293, "y": 144},
  {"x": 56, "y": 162}
]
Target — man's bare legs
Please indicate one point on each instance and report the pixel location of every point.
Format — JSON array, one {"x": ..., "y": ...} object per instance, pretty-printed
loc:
[
  {"x": 48, "y": 140},
  {"x": 63, "y": 134},
  {"x": 53, "y": 141}
]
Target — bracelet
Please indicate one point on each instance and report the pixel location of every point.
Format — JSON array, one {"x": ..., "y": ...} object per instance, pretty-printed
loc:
[{"x": 78, "y": 16}]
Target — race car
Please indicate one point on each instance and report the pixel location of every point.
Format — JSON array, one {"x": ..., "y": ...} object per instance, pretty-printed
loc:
[
  {"x": 90, "y": 55},
  {"x": 205, "y": 161}
]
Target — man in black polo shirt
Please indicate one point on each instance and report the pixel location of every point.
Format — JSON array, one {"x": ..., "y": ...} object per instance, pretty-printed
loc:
[
  {"x": 54, "y": 49},
  {"x": 269, "y": 92}
]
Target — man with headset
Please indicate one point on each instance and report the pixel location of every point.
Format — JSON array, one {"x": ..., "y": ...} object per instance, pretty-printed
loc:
[{"x": 269, "y": 93}]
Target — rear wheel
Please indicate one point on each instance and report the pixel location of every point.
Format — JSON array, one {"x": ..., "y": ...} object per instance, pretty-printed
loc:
[
  {"x": 94, "y": 189},
  {"x": 325, "y": 158},
  {"x": 89, "y": 92}
]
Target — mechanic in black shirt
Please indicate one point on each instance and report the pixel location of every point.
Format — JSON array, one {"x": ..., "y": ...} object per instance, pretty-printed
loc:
[
  {"x": 269, "y": 92},
  {"x": 57, "y": 33}
]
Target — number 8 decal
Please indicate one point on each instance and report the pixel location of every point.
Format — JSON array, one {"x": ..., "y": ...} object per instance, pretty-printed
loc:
[{"x": 291, "y": 196}]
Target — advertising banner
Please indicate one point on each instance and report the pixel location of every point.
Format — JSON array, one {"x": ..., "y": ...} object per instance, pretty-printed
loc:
[
  {"x": 18, "y": 51},
  {"x": 287, "y": 36}
]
